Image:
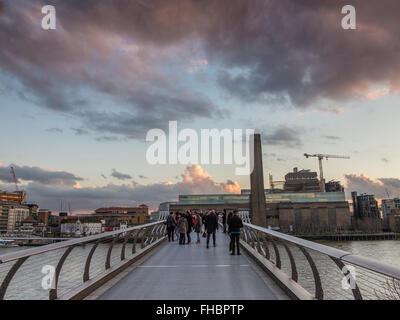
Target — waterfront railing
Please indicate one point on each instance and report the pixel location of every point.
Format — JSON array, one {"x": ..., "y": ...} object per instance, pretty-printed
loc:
[
  {"x": 74, "y": 268},
  {"x": 309, "y": 270}
]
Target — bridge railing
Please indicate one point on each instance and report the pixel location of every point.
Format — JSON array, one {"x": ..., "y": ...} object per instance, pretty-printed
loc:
[
  {"x": 74, "y": 268},
  {"x": 309, "y": 270}
]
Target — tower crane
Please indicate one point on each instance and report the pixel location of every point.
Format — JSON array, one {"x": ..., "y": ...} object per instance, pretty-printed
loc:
[
  {"x": 15, "y": 178},
  {"x": 320, "y": 157},
  {"x": 272, "y": 183}
]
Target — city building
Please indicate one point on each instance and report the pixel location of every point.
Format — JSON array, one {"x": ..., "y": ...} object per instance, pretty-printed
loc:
[
  {"x": 33, "y": 209},
  {"x": 29, "y": 225},
  {"x": 333, "y": 186},
  {"x": 81, "y": 226},
  {"x": 301, "y": 181},
  {"x": 16, "y": 215},
  {"x": 142, "y": 209},
  {"x": 393, "y": 219},
  {"x": 388, "y": 205},
  {"x": 114, "y": 217},
  {"x": 53, "y": 224},
  {"x": 365, "y": 205},
  {"x": 18, "y": 197},
  {"x": 300, "y": 212},
  {"x": 43, "y": 216},
  {"x": 3, "y": 217}
]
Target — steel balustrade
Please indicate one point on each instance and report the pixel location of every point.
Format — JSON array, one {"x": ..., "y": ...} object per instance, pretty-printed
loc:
[
  {"x": 326, "y": 266},
  {"x": 12, "y": 263}
]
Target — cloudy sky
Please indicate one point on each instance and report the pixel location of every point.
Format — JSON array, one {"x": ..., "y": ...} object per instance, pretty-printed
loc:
[{"x": 77, "y": 102}]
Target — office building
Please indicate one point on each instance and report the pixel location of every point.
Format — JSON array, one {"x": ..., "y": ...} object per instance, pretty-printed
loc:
[{"x": 365, "y": 206}]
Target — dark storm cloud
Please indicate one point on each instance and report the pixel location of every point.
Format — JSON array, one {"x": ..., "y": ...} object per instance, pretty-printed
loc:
[
  {"x": 119, "y": 175},
  {"x": 83, "y": 53},
  {"x": 38, "y": 175},
  {"x": 290, "y": 50}
]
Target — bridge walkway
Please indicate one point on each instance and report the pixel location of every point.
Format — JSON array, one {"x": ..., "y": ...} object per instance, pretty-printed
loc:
[{"x": 193, "y": 272}]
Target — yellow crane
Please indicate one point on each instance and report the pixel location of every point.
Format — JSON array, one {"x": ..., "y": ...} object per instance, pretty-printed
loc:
[{"x": 320, "y": 157}]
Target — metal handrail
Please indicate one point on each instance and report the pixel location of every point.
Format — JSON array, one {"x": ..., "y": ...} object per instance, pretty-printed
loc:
[
  {"x": 346, "y": 256},
  {"x": 17, "y": 259},
  {"x": 76, "y": 241}
]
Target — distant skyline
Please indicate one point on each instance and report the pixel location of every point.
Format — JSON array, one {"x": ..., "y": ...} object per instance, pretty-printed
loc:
[{"x": 77, "y": 102}]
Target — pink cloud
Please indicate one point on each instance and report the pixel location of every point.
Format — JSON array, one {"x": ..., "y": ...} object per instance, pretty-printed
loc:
[{"x": 374, "y": 95}]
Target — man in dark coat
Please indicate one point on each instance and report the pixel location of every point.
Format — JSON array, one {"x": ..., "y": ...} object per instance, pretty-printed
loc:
[
  {"x": 235, "y": 224},
  {"x": 190, "y": 226},
  {"x": 230, "y": 214},
  {"x": 212, "y": 227},
  {"x": 171, "y": 223},
  {"x": 224, "y": 220}
]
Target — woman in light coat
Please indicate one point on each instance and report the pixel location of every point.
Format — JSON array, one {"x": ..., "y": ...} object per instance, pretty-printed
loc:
[
  {"x": 197, "y": 226},
  {"x": 182, "y": 227}
]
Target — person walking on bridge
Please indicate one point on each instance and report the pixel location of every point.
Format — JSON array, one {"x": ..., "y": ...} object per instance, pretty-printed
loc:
[
  {"x": 229, "y": 221},
  {"x": 182, "y": 227},
  {"x": 197, "y": 226},
  {"x": 212, "y": 227},
  {"x": 171, "y": 226},
  {"x": 224, "y": 220},
  {"x": 234, "y": 229},
  {"x": 190, "y": 224}
]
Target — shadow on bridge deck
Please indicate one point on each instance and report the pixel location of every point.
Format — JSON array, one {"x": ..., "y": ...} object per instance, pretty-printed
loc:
[{"x": 193, "y": 272}]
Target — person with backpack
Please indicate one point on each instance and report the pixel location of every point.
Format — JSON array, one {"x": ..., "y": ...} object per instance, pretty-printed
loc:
[
  {"x": 171, "y": 223},
  {"x": 234, "y": 229},
  {"x": 182, "y": 227},
  {"x": 212, "y": 227},
  {"x": 197, "y": 226}
]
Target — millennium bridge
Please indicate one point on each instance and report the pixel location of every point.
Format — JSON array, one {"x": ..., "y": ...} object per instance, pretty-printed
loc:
[{"x": 139, "y": 263}]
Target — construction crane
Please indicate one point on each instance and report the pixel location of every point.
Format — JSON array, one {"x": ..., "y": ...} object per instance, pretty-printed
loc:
[
  {"x": 272, "y": 183},
  {"x": 321, "y": 173},
  {"x": 15, "y": 178}
]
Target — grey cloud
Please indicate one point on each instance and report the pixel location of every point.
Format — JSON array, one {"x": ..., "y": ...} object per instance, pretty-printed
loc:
[
  {"x": 142, "y": 177},
  {"x": 333, "y": 138},
  {"x": 291, "y": 51},
  {"x": 83, "y": 55},
  {"x": 193, "y": 180},
  {"x": 378, "y": 187},
  {"x": 55, "y": 130},
  {"x": 106, "y": 139},
  {"x": 119, "y": 175},
  {"x": 385, "y": 160},
  {"x": 36, "y": 174},
  {"x": 283, "y": 136},
  {"x": 80, "y": 131}
]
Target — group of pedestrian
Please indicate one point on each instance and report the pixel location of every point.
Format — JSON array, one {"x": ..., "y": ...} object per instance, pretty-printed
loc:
[{"x": 205, "y": 225}]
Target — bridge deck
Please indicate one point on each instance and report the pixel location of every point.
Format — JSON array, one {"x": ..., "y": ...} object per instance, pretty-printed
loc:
[{"x": 193, "y": 272}]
